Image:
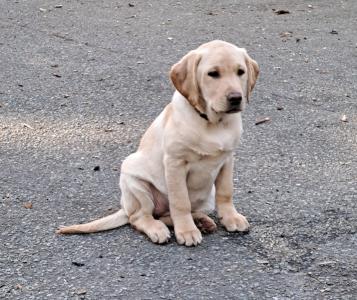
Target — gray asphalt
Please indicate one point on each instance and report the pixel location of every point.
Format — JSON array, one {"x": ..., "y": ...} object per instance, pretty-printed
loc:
[{"x": 79, "y": 85}]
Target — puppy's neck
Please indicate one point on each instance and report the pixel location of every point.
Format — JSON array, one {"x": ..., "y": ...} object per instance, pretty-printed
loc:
[{"x": 207, "y": 118}]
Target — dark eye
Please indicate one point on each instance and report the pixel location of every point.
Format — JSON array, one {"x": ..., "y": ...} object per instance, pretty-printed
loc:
[
  {"x": 240, "y": 72},
  {"x": 213, "y": 74}
]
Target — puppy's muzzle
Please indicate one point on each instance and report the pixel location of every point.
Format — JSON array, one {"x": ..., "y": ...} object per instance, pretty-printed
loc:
[{"x": 234, "y": 102}]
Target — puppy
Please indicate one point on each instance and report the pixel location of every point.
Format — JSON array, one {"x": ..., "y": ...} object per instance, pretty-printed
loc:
[{"x": 184, "y": 164}]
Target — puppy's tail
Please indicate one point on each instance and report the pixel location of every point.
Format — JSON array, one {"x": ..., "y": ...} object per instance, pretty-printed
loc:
[{"x": 109, "y": 222}]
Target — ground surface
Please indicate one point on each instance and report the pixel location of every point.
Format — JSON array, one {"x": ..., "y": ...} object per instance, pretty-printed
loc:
[{"x": 80, "y": 84}]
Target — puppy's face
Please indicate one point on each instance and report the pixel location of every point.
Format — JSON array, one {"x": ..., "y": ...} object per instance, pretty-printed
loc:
[{"x": 217, "y": 78}]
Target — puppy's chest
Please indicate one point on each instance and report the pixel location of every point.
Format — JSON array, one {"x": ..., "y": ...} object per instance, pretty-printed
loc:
[
  {"x": 204, "y": 168},
  {"x": 216, "y": 144}
]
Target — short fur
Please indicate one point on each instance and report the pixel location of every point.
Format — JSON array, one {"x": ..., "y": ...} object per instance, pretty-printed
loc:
[{"x": 183, "y": 167}]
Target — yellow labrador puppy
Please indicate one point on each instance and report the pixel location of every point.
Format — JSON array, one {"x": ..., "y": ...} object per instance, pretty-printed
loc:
[{"x": 183, "y": 167}]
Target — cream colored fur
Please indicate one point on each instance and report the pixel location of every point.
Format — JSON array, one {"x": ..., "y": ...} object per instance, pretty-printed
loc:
[{"x": 183, "y": 167}]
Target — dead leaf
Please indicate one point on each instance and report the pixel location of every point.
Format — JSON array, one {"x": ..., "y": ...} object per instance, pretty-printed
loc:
[
  {"x": 28, "y": 205},
  {"x": 286, "y": 34},
  {"x": 281, "y": 11},
  {"x": 80, "y": 291},
  {"x": 28, "y": 126},
  {"x": 262, "y": 120}
]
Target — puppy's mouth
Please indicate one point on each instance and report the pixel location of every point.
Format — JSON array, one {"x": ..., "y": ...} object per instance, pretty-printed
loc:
[
  {"x": 229, "y": 111},
  {"x": 233, "y": 110}
]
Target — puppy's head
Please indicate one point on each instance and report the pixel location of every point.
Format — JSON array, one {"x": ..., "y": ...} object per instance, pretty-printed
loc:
[{"x": 217, "y": 78}]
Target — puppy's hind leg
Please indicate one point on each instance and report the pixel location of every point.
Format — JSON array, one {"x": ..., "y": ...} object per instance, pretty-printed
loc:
[
  {"x": 203, "y": 222},
  {"x": 137, "y": 201}
]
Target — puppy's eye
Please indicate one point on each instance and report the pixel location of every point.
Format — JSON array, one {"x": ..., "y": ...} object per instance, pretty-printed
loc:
[
  {"x": 240, "y": 72},
  {"x": 213, "y": 74}
]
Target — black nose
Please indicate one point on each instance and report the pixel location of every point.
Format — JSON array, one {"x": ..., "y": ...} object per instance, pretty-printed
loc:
[{"x": 234, "y": 99}]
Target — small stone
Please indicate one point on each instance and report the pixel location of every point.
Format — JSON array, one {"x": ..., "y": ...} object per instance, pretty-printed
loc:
[
  {"x": 80, "y": 291},
  {"x": 58, "y": 6},
  {"x": 326, "y": 263},
  {"x": 262, "y": 261},
  {"x": 344, "y": 118}
]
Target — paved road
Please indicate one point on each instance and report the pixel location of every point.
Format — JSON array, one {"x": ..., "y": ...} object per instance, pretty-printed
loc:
[{"x": 80, "y": 83}]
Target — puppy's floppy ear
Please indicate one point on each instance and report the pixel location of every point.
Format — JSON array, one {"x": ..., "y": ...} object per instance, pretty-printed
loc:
[
  {"x": 183, "y": 76},
  {"x": 253, "y": 72}
]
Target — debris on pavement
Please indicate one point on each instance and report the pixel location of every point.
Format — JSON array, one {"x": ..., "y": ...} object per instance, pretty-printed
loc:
[
  {"x": 286, "y": 34},
  {"x": 80, "y": 291},
  {"x": 344, "y": 118},
  {"x": 281, "y": 11},
  {"x": 262, "y": 120},
  {"x": 77, "y": 264},
  {"x": 28, "y": 205},
  {"x": 27, "y": 126}
]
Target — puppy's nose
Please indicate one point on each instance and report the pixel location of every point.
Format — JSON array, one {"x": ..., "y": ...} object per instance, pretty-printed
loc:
[{"x": 234, "y": 99}]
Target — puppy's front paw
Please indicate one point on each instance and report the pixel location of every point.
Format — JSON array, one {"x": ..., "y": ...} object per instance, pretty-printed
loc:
[
  {"x": 158, "y": 232},
  {"x": 235, "y": 222},
  {"x": 191, "y": 237}
]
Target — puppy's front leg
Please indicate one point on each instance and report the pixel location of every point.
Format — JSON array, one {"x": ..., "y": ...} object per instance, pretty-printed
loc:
[
  {"x": 230, "y": 218},
  {"x": 180, "y": 206}
]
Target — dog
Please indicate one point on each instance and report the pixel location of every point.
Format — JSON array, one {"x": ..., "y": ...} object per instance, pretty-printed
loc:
[{"x": 183, "y": 168}]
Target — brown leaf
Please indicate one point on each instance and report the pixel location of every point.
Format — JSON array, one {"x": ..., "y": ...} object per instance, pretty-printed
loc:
[
  {"x": 262, "y": 120},
  {"x": 286, "y": 34},
  {"x": 28, "y": 205}
]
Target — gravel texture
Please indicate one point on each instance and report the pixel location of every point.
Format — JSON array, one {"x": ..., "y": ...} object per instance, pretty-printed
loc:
[{"x": 80, "y": 81}]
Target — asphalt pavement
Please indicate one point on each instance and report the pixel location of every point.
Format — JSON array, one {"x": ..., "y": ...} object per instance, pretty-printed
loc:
[{"x": 80, "y": 81}]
